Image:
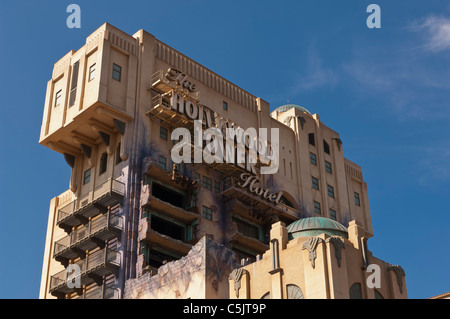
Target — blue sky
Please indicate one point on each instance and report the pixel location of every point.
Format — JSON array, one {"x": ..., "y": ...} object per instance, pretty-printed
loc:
[{"x": 386, "y": 91}]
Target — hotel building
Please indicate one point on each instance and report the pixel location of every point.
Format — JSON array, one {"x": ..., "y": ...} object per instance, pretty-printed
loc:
[{"x": 134, "y": 224}]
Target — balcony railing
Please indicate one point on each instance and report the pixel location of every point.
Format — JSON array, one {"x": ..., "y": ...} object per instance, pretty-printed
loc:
[
  {"x": 78, "y": 211},
  {"x": 99, "y": 292},
  {"x": 96, "y": 265},
  {"x": 160, "y": 83},
  {"x": 89, "y": 236},
  {"x": 232, "y": 189}
]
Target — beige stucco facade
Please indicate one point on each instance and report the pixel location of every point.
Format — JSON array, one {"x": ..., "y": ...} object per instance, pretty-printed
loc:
[{"x": 110, "y": 109}]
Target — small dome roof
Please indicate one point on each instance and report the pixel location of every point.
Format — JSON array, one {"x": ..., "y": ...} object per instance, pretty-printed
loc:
[
  {"x": 314, "y": 226},
  {"x": 287, "y": 107}
]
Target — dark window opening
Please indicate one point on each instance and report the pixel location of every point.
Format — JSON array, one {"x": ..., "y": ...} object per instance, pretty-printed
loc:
[
  {"x": 326, "y": 147},
  {"x": 167, "y": 195},
  {"x": 286, "y": 201},
  {"x": 167, "y": 228},
  {"x": 311, "y": 139},
  {"x": 157, "y": 258}
]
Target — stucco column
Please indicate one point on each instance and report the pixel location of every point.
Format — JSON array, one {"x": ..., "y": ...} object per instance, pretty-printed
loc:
[
  {"x": 315, "y": 268},
  {"x": 337, "y": 268}
]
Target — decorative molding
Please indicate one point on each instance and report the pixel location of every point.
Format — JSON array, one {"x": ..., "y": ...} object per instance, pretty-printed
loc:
[
  {"x": 338, "y": 245},
  {"x": 236, "y": 275},
  {"x": 311, "y": 244},
  {"x": 302, "y": 120},
  {"x": 338, "y": 142},
  {"x": 400, "y": 273}
]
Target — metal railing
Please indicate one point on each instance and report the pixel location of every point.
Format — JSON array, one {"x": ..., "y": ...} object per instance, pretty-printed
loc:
[
  {"x": 104, "y": 221},
  {"x": 110, "y": 186},
  {"x": 102, "y": 257}
]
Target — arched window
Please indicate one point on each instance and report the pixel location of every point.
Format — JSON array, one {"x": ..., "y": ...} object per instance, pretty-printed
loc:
[
  {"x": 266, "y": 295},
  {"x": 355, "y": 291},
  {"x": 294, "y": 292},
  {"x": 288, "y": 200}
]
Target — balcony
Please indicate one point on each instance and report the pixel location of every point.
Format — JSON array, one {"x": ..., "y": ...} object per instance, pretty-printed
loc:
[
  {"x": 92, "y": 269},
  {"x": 231, "y": 190},
  {"x": 78, "y": 211},
  {"x": 158, "y": 205},
  {"x": 99, "y": 292},
  {"x": 87, "y": 237},
  {"x": 161, "y": 84},
  {"x": 162, "y": 109}
]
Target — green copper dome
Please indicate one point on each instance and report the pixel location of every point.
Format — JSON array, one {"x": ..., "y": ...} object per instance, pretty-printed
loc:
[
  {"x": 314, "y": 226},
  {"x": 287, "y": 107}
]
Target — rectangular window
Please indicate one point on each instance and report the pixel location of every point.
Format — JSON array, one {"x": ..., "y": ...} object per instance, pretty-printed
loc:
[
  {"x": 103, "y": 163},
  {"x": 207, "y": 182},
  {"x": 317, "y": 209},
  {"x": 311, "y": 139},
  {"x": 328, "y": 167},
  {"x": 332, "y": 214},
  {"x": 58, "y": 98},
  {"x": 313, "y": 158},
  {"x": 118, "y": 158},
  {"x": 73, "y": 85},
  {"x": 92, "y": 71},
  {"x": 197, "y": 176},
  {"x": 357, "y": 201},
  {"x": 163, "y": 133},
  {"x": 117, "y": 72},
  {"x": 207, "y": 212},
  {"x": 162, "y": 162},
  {"x": 315, "y": 183},
  {"x": 225, "y": 106},
  {"x": 330, "y": 191},
  {"x": 216, "y": 187},
  {"x": 87, "y": 176}
]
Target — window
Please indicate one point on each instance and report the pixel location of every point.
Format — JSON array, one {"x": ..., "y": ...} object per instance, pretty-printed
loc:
[
  {"x": 246, "y": 229},
  {"x": 207, "y": 212},
  {"x": 58, "y": 98},
  {"x": 92, "y": 71},
  {"x": 103, "y": 163},
  {"x": 330, "y": 191},
  {"x": 197, "y": 176},
  {"x": 313, "y": 158},
  {"x": 332, "y": 214},
  {"x": 163, "y": 133},
  {"x": 357, "y": 201},
  {"x": 162, "y": 162},
  {"x": 317, "y": 209},
  {"x": 87, "y": 176},
  {"x": 207, "y": 182},
  {"x": 326, "y": 147},
  {"x": 225, "y": 106},
  {"x": 73, "y": 85},
  {"x": 311, "y": 139},
  {"x": 117, "y": 72},
  {"x": 315, "y": 183},
  {"x": 166, "y": 227},
  {"x": 328, "y": 167},
  {"x": 168, "y": 195},
  {"x": 216, "y": 187},
  {"x": 118, "y": 158}
]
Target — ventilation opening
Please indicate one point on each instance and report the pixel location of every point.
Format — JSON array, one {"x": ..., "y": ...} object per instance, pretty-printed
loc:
[
  {"x": 167, "y": 195},
  {"x": 168, "y": 228}
]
